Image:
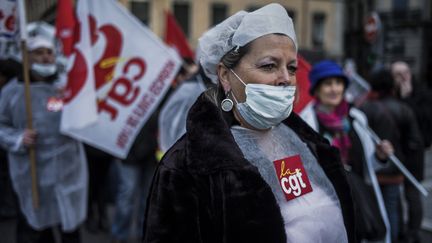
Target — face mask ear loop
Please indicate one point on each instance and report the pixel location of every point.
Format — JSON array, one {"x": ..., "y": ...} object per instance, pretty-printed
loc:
[
  {"x": 235, "y": 99},
  {"x": 232, "y": 93},
  {"x": 235, "y": 74}
]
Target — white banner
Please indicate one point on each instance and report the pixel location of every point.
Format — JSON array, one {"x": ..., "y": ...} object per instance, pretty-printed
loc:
[
  {"x": 80, "y": 108},
  {"x": 8, "y": 10},
  {"x": 359, "y": 88},
  {"x": 132, "y": 70},
  {"x": 8, "y": 28}
]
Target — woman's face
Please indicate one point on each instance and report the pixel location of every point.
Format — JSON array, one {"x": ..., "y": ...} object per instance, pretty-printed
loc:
[
  {"x": 330, "y": 91},
  {"x": 42, "y": 55},
  {"x": 271, "y": 60}
]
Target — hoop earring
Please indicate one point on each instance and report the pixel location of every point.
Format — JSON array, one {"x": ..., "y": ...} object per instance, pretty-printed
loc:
[{"x": 227, "y": 104}]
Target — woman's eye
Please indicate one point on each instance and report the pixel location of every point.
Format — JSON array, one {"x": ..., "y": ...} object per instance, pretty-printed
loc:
[
  {"x": 268, "y": 67},
  {"x": 292, "y": 70}
]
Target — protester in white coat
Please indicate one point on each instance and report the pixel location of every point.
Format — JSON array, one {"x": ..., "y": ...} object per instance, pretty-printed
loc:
[{"x": 60, "y": 161}]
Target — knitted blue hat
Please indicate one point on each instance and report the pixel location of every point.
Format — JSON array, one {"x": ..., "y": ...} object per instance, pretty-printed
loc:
[{"x": 325, "y": 69}]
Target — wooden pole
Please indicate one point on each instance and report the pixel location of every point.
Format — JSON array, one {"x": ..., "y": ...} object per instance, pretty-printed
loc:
[{"x": 32, "y": 152}]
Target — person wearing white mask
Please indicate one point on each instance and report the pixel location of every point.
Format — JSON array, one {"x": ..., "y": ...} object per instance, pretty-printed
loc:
[
  {"x": 42, "y": 59},
  {"x": 60, "y": 161},
  {"x": 248, "y": 169}
]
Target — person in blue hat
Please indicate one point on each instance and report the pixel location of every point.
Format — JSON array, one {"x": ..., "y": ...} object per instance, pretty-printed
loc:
[{"x": 344, "y": 126}]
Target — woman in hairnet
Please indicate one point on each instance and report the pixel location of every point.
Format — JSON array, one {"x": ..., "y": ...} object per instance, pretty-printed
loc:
[
  {"x": 248, "y": 169},
  {"x": 61, "y": 165}
]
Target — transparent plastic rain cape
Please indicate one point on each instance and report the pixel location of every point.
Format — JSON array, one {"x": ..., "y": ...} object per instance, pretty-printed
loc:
[
  {"x": 313, "y": 217},
  {"x": 60, "y": 160}
]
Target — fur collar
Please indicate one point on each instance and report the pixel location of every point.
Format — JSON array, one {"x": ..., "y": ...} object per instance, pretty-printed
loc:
[
  {"x": 210, "y": 147},
  {"x": 209, "y": 137}
]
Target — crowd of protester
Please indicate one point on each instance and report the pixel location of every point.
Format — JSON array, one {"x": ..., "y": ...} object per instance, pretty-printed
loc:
[{"x": 216, "y": 182}]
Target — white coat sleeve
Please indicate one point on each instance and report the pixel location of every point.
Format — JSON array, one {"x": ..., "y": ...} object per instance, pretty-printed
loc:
[{"x": 10, "y": 137}]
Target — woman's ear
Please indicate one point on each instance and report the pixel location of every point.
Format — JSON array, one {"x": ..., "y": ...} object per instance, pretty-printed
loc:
[{"x": 223, "y": 75}]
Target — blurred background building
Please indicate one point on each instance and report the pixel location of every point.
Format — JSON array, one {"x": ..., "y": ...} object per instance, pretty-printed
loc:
[
  {"x": 404, "y": 32},
  {"x": 319, "y": 23},
  {"x": 325, "y": 28}
]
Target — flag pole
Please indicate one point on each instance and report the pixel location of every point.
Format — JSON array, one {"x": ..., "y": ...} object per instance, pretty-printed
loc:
[
  {"x": 32, "y": 152},
  {"x": 399, "y": 164}
]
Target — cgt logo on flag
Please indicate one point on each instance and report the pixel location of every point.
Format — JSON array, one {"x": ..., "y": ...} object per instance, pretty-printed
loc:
[
  {"x": 120, "y": 89},
  {"x": 8, "y": 27},
  {"x": 292, "y": 177},
  {"x": 114, "y": 82}
]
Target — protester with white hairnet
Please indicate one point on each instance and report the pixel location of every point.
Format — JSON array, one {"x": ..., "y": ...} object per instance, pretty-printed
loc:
[
  {"x": 248, "y": 169},
  {"x": 172, "y": 118},
  {"x": 60, "y": 161}
]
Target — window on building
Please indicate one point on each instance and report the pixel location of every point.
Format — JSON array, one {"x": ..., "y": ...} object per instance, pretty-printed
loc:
[
  {"x": 400, "y": 8},
  {"x": 219, "y": 13},
  {"x": 181, "y": 13},
  {"x": 141, "y": 10},
  {"x": 400, "y": 5},
  {"x": 318, "y": 23}
]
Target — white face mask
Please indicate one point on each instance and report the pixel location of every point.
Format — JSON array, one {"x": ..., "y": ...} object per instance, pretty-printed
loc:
[
  {"x": 44, "y": 70},
  {"x": 266, "y": 105}
]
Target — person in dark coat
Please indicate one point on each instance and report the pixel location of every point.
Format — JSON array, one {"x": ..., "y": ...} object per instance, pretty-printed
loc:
[
  {"x": 419, "y": 99},
  {"x": 9, "y": 69},
  {"x": 393, "y": 120},
  {"x": 99, "y": 163},
  {"x": 134, "y": 175},
  {"x": 248, "y": 169}
]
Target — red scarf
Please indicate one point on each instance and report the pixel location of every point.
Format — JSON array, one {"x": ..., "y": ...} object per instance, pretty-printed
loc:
[{"x": 338, "y": 124}]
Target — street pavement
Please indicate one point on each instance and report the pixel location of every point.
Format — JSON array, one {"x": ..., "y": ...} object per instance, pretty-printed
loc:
[
  {"x": 7, "y": 232},
  {"x": 427, "y": 202},
  {"x": 7, "y": 226}
]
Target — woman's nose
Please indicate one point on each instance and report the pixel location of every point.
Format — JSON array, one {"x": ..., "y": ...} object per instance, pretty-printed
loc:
[
  {"x": 336, "y": 86},
  {"x": 285, "y": 78},
  {"x": 47, "y": 58}
]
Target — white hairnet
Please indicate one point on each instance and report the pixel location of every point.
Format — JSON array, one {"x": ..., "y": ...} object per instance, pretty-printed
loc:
[
  {"x": 240, "y": 29},
  {"x": 36, "y": 42},
  {"x": 41, "y": 34}
]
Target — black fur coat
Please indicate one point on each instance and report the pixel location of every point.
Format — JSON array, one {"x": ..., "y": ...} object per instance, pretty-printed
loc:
[{"x": 205, "y": 191}]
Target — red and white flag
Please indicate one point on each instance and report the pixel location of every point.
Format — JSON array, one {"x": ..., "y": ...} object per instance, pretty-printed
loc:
[
  {"x": 65, "y": 25},
  {"x": 127, "y": 70},
  {"x": 304, "y": 98},
  {"x": 80, "y": 109},
  {"x": 175, "y": 37},
  {"x": 8, "y": 11},
  {"x": 9, "y": 31}
]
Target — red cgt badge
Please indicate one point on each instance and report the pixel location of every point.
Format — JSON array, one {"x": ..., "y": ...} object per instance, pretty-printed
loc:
[
  {"x": 54, "y": 104},
  {"x": 292, "y": 177}
]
